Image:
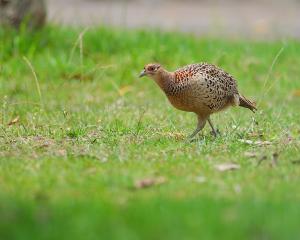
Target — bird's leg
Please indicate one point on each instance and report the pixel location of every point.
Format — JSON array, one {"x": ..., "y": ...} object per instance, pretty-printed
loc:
[
  {"x": 214, "y": 132},
  {"x": 200, "y": 126}
]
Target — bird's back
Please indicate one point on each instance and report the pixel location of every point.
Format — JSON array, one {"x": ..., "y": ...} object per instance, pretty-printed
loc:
[{"x": 202, "y": 87}]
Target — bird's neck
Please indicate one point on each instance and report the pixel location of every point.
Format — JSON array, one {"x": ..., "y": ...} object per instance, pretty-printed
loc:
[{"x": 165, "y": 80}]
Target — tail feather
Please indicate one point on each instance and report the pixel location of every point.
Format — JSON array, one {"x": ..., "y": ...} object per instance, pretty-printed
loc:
[{"x": 244, "y": 102}]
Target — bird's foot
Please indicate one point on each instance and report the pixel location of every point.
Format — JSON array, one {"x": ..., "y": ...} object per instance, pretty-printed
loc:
[
  {"x": 215, "y": 133},
  {"x": 190, "y": 139},
  {"x": 195, "y": 138}
]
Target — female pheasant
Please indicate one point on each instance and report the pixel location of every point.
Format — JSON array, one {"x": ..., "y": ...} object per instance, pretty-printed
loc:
[{"x": 200, "y": 88}]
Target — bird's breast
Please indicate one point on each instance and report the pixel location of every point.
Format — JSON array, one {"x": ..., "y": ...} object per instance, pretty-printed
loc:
[
  {"x": 180, "y": 102},
  {"x": 188, "y": 103}
]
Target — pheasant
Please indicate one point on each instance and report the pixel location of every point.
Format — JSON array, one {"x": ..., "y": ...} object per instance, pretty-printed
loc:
[{"x": 201, "y": 88}]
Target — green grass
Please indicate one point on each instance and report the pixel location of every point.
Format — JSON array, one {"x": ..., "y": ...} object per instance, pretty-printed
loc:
[{"x": 89, "y": 129}]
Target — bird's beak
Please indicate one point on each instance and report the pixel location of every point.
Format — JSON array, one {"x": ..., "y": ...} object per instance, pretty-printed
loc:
[{"x": 143, "y": 73}]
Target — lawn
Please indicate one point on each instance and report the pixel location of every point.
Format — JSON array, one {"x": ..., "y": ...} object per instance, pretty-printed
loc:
[{"x": 90, "y": 151}]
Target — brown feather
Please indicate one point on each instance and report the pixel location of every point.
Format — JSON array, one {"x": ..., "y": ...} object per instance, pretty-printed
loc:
[{"x": 246, "y": 103}]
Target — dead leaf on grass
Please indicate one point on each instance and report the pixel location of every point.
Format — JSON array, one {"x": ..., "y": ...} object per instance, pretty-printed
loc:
[
  {"x": 256, "y": 134},
  {"x": 45, "y": 144},
  {"x": 250, "y": 154},
  {"x": 176, "y": 135},
  {"x": 14, "y": 121},
  {"x": 296, "y": 93},
  {"x": 200, "y": 179},
  {"x": 125, "y": 89},
  {"x": 148, "y": 182},
  {"x": 227, "y": 167},
  {"x": 61, "y": 152},
  {"x": 258, "y": 143}
]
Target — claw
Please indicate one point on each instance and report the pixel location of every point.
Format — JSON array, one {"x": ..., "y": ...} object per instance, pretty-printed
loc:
[{"x": 215, "y": 133}]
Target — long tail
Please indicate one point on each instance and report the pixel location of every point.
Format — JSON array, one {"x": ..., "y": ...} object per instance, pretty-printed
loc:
[{"x": 244, "y": 102}]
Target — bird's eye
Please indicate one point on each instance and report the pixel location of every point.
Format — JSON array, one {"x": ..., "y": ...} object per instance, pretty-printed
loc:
[{"x": 151, "y": 68}]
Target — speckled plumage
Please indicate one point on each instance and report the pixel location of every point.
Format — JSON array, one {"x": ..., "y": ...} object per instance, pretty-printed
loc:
[{"x": 200, "y": 88}]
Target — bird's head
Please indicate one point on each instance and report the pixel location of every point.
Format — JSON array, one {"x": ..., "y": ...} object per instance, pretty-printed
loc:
[{"x": 152, "y": 70}]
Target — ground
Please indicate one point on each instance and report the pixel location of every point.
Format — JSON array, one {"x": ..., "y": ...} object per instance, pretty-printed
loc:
[
  {"x": 89, "y": 150},
  {"x": 267, "y": 19}
]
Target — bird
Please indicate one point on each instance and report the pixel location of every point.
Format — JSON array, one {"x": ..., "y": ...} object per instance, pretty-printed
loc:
[{"x": 201, "y": 88}]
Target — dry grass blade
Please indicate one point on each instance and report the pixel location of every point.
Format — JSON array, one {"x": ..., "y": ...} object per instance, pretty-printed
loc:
[
  {"x": 269, "y": 74},
  {"x": 35, "y": 78},
  {"x": 79, "y": 41}
]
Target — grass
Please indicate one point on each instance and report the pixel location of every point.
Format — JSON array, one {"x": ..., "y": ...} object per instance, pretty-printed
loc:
[{"x": 80, "y": 134}]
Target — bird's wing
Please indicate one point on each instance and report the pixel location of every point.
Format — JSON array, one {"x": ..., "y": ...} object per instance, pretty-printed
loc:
[{"x": 216, "y": 84}]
